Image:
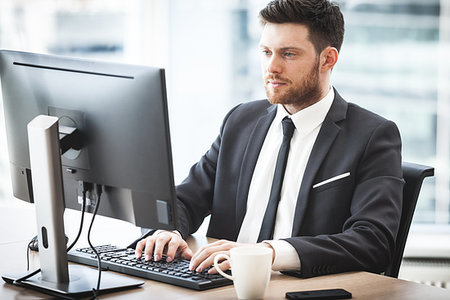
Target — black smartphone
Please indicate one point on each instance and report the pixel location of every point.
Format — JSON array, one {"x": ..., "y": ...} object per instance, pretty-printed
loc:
[{"x": 320, "y": 294}]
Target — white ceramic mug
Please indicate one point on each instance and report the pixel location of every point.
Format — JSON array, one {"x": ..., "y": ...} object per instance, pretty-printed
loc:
[{"x": 251, "y": 267}]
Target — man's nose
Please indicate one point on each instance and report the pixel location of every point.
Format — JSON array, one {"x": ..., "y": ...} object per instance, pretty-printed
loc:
[{"x": 274, "y": 65}]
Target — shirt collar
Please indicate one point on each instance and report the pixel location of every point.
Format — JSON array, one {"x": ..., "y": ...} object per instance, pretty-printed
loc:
[{"x": 307, "y": 119}]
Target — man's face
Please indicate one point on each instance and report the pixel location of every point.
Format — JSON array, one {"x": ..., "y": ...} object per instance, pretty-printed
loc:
[{"x": 290, "y": 66}]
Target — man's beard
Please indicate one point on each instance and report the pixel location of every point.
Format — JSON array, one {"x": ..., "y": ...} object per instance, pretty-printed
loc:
[{"x": 301, "y": 95}]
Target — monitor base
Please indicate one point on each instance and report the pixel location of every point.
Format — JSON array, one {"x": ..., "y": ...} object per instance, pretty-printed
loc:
[{"x": 83, "y": 280}]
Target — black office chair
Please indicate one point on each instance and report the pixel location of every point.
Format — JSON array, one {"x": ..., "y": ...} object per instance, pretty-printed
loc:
[{"x": 413, "y": 174}]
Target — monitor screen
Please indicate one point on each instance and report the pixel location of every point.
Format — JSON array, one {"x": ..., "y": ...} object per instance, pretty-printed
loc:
[{"x": 121, "y": 113}]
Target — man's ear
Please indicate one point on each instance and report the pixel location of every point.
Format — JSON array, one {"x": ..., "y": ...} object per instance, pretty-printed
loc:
[{"x": 328, "y": 58}]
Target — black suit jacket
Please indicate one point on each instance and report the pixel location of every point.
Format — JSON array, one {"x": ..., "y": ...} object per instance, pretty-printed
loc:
[{"x": 347, "y": 224}]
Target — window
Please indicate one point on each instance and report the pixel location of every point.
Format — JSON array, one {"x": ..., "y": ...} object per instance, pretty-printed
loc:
[{"x": 392, "y": 62}]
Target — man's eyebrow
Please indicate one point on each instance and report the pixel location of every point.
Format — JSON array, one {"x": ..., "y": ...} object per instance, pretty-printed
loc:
[{"x": 292, "y": 48}]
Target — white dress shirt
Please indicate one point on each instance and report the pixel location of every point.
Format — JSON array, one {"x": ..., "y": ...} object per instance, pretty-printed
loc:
[{"x": 307, "y": 122}]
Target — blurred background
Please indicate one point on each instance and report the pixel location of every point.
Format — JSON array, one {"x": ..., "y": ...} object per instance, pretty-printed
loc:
[{"x": 394, "y": 61}]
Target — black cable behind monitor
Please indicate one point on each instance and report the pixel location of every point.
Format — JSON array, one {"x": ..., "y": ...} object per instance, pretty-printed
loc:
[
  {"x": 98, "y": 189},
  {"x": 84, "y": 188}
]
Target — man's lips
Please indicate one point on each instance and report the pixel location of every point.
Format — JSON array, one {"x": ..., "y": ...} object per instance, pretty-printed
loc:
[{"x": 276, "y": 83}]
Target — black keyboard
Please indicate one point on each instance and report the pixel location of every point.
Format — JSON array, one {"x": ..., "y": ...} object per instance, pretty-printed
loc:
[{"x": 124, "y": 261}]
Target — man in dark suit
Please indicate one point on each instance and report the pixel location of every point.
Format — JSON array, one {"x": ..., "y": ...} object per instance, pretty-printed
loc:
[{"x": 338, "y": 202}]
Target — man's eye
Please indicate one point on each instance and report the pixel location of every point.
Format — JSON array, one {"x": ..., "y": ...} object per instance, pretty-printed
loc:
[
  {"x": 289, "y": 54},
  {"x": 265, "y": 52}
]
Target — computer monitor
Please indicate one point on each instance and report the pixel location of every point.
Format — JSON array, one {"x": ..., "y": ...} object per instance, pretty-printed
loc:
[{"x": 120, "y": 112}]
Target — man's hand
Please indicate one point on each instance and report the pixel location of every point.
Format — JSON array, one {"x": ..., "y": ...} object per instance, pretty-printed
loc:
[
  {"x": 204, "y": 257},
  {"x": 169, "y": 242}
]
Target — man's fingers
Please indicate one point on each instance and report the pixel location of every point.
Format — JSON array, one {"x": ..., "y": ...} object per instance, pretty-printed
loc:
[
  {"x": 204, "y": 257},
  {"x": 225, "y": 265},
  {"x": 201, "y": 255},
  {"x": 163, "y": 242},
  {"x": 172, "y": 248},
  {"x": 149, "y": 245},
  {"x": 186, "y": 253},
  {"x": 139, "y": 247},
  {"x": 209, "y": 261},
  {"x": 205, "y": 251},
  {"x": 160, "y": 244}
]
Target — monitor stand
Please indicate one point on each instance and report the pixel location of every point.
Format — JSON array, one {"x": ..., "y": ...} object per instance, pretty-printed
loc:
[
  {"x": 56, "y": 277},
  {"x": 82, "y": 282}
]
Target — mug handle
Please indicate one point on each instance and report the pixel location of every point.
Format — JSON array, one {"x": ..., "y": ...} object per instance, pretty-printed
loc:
[{"x": 216, "y": 265}]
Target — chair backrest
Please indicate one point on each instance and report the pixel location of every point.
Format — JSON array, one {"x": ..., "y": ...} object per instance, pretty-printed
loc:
[{"x": 413, "y": 174}]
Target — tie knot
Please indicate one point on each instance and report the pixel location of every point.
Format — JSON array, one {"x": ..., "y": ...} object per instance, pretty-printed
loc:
[{"x": 288, "y": 127}]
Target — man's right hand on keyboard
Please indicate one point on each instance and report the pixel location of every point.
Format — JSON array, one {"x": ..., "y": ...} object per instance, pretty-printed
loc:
[{"x": 161, "y": 240}]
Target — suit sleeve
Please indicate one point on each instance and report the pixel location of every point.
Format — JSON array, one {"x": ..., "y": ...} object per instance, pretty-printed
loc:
[
  {"x": 195, "y": 194},
  {"x": 367, "y": 240}
]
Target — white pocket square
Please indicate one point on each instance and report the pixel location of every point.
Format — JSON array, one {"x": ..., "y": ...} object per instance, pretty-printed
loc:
[{"x": 331, "y": 179}]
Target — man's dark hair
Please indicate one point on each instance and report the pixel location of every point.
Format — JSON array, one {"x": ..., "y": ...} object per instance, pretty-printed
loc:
[{"x": 323, "y": 19}]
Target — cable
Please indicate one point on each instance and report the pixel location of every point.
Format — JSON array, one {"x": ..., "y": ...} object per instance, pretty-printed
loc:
[
  {"x": 95, "y": 291},
  {"x": 27, "y": 276},
  {"x": 28, "y": 255},
  {"x": 83, "y": 209}
]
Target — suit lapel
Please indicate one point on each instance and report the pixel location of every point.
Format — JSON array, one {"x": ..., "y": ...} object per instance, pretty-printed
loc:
[
  {"x": 327, "y": 134},
  {"x": 250, "y": 157}
]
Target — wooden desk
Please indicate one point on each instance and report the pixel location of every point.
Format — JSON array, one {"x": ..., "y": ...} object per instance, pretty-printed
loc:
[{"x": 15, "y": 233}]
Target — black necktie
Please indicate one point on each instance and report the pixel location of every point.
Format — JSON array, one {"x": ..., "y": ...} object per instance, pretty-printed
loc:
[{"x": 268, "y": 223}]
